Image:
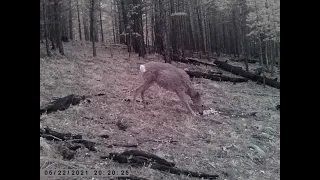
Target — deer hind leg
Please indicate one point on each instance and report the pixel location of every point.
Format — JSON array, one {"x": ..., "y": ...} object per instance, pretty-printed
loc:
[
  {"x": 183, "y": 97},
  {"x": 141, "y": 90}
]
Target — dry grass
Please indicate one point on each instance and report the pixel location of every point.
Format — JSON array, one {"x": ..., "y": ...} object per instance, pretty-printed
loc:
[{"x": 245, "y": 148}]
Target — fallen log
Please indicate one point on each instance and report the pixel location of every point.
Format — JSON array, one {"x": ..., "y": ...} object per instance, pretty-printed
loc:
[
  {"x": 252, "y": 61},
  {"x": 62, "y": 136},
  {"x": 140, "y": 158},
  {"x": 215, "y": 77},
  {"x": 62, "y": 104},
  {"x": 239, "y": 71},
  {"x": 49, "y": 134},
  {"x": 122, "y": 145},
  {"x": 147, "y": 155},
  {"x": 193, "y": 61},
  {"x": 88, "y": 144}
]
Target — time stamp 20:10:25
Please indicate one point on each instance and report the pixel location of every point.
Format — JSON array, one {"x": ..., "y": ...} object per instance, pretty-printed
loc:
[{"x": 119, "y": 172}]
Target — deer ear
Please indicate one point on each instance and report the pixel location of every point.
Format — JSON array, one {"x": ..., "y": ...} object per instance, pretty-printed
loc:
[{"x": 197, "y": 94}]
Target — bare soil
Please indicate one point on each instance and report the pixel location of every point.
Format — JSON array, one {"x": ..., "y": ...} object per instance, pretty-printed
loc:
[{"x": 242, "y": 148}]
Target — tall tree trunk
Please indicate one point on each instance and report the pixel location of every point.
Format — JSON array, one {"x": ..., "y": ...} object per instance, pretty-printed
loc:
[
  {"x": 51, "y": 24},
  {"x": 272, "y": 56},
  {"x": 266, "y": 54},
  {"x": 125, "y": 24},
  {"x": 218, "y": 38},
  {"x": 235, "y": 25},
  {"x": 163, "y": 24},
  {"x": 116, "y": 31},
  {"x": 260, "y": 45},
  {"x": 96, "y": 32},
  {"x": 152, "y": 27},
  {"x": 92, "y": 26},
  {"x": 102, "y": 39},
  {"x": 56, "y": 8},
  {"x": 79, "y": 22},
  {"x": 113, "y": 23},
  {"x": 70, "y": 21},
  {"x": 243, "y": 37},
  {"x": 85, "y": 21},
  {"x": 224, "y": 38},
  {"x": 41, "y": 23},
  {"x": 91, "y": 35},
  {"x": 173, "y": 28},
  {"x": 45, "y": 27},
  {"x": 147, "y": 35}
]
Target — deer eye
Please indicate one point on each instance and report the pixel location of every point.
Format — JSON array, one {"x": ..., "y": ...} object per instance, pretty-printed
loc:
[{"x": 202, "y": 105}]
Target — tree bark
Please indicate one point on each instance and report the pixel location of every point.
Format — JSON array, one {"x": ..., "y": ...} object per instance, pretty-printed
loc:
[
  {"x": 93, "y": 27},
  {"x": 56, "y": 7},
  {"x": 163, "y": 30},
  {"x": 70, "y": 21},
  {"x": 45, "y": 27},
  {"x": 79, "y": 22},
  {"x": 102, "y": 39},
  {"x": 85, "y": 21}
]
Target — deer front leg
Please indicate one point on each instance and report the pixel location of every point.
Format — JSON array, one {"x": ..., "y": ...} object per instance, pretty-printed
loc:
[
  {"x": 140, "y": 90},
  {"x": 146, "y": 86},
  {"x": 183, "y": 97}
]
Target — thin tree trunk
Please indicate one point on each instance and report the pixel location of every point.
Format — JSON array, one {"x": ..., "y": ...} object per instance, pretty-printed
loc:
[
  {"x": 163, "y": 24},
  {"x": 70, "y": 21},
  {"x": 272, "y": 58},
  {"x": 45, "y": 28},
  {"x": 51, "y": 24},
  {"x": 41, "y": 24},
  {"x": 79, "y": 22},
  {"x": 243, "y": 37},
  {"x": 147, "y": 36},
  {"x": 266, "y": 54},
  {"x": 115, "y": 21},
  {"x": 93, "y": 28},
  {"x": 113, "y": 30},
  {"x": 102, "y": 39},
  {"x": 236, "y": 46},
  {"x": 260, "y": 46},
  {"x": 152, "y": 27},
  {"x": 56, "y": 6},
  {"x": 85, "y": 22}
]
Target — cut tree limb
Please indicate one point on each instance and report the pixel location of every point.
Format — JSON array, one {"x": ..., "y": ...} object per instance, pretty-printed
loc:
[
  {"x": 215, "y": 77},
  {"x": 252, "y": 61},
  {"x": 239, "y": 71},
  {"x": 67, "y": 137},
  {"x": 63, "y": 136},
  {"x": 62, "y": 104},
  {"x": 140, "y": 158},
  {"x": 122, "y": 145},
  {"x": 193, "y": 61}
]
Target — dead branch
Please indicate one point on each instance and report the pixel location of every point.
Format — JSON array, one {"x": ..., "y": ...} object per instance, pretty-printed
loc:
[{"x": 140, "y": 158}]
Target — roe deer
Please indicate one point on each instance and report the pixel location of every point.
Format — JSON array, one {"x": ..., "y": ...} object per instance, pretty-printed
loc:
[{"x": 172, "y": 79}]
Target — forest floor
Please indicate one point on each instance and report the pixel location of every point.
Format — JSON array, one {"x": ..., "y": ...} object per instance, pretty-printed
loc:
[{"x": 237, "y": 148}]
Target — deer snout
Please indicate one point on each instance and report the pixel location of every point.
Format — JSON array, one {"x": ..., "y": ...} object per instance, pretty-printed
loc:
[{"x": 200, "y": 109}]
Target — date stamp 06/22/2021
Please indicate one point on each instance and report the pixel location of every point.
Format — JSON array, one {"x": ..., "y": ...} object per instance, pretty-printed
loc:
[{"x": 111, "y": 172}]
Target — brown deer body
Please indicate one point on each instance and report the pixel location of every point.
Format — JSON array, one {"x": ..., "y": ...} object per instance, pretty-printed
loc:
[{"x": 172, "y": 79}]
